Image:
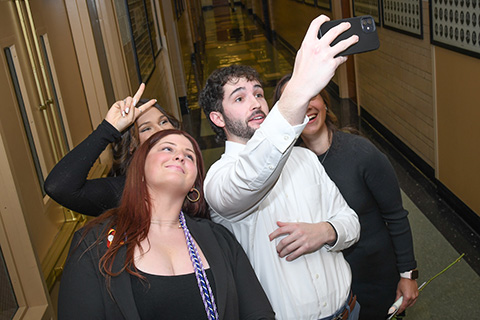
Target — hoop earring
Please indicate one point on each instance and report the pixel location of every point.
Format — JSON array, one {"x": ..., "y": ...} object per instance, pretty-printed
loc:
[{"x": 198, "y": 195}]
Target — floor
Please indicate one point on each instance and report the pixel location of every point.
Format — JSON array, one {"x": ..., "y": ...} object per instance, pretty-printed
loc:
[{"x": 440, "y": 237}]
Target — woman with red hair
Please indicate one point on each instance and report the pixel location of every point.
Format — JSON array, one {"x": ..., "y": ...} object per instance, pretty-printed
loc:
[{"x": 158, "y": 255}]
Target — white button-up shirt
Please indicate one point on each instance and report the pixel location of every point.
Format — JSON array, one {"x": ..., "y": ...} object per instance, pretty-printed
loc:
[{"x": 267, "y": 180}]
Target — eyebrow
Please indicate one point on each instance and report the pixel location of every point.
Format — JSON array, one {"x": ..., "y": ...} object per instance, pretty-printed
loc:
[
  {"x": 243, "y": 88},
  {"x": 236, "y": 90},
  {"x": 162, "y": 117},
  {"x": 174, "y": 144},
  {"x": 143, "y": 123}
]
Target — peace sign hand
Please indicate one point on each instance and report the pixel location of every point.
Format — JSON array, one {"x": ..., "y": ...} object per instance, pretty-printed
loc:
[{"x": 123, "y": 113}]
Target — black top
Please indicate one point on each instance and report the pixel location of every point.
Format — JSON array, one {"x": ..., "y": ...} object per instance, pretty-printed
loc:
[
  {"x": 67, "y": 183},
  {"x": 170, "y": 297},
  {"x": 85, "y": 295},
  {"x": 367, "y": 181}
]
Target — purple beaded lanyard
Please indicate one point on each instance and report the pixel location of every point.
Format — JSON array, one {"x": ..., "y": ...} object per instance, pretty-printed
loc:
[{"x": 202, "y": 280}]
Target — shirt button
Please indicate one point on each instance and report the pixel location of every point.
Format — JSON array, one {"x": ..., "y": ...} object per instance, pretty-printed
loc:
[
  {"x": 324, "y": 304},
  {"x": 271, "y": 167},
  {"x": 286, "y": 137},
  {"x": 316, "y": 276}
]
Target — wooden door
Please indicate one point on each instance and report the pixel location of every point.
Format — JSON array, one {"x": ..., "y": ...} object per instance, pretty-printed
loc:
[{"x": 44, "y": 113}]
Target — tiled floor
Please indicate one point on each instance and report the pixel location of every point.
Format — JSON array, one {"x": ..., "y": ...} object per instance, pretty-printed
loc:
[{"x": 439, "y": 235}]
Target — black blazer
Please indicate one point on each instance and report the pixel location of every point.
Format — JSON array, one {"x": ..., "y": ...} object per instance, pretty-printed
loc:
[{"x": 83, "y": 292}]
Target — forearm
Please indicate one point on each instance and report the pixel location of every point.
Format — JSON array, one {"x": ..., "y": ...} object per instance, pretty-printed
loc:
[
  {"x": 237, "y": 183},
  {"x": 384, "y": 186},
  {"x": 402, "y": 241},
  {"x": 67, "y": 180}
]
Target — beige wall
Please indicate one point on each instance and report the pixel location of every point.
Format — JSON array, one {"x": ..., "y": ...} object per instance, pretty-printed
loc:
[
  {"x": 401, "y": 83},
  {"x": 160, "y": 88},
  {"x": 458, "y": 114},
  {"x": 395, "y": 85},
  {"x": 170, "y": 29},
  {"x": 291, "y": 19}
]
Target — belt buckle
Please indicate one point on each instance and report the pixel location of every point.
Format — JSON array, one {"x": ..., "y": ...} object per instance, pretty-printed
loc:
[{"x": 338, "y": 317}]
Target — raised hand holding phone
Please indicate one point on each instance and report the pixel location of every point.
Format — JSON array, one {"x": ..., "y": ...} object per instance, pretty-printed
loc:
[
  {"x": 363, "y": 26},
  {"x": 315, "y": 65}
]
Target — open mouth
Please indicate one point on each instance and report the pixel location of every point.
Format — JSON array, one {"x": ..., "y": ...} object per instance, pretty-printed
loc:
[
  {"x": 312, "y": 117},
  {"x": 257, "y": 116}
]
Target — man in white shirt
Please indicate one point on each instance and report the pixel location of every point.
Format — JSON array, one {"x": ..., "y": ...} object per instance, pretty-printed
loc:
[{"x": 276, "y": 198}]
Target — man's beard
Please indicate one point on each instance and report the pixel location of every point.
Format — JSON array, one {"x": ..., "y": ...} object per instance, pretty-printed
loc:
[{"x": 239, "y": 128}]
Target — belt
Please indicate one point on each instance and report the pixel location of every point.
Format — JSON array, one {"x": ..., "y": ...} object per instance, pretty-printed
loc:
[{"x": 346, "y": 310}]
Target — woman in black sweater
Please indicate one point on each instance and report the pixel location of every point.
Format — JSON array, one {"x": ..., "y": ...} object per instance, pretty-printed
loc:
[
  {"x": 367, "y": 181},
  {"x": 126, "y": 126}
]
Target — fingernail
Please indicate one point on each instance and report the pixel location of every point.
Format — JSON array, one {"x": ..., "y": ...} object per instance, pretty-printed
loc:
[
  {"x": 127, "y": 110},
  {"x": 155, "y": 100},
  {"x": 123, "y": 113},
  {"x": 135, "y": 102}
]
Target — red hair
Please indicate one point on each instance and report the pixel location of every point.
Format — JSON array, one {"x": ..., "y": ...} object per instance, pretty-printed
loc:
[{"x": 131, "y": 220}]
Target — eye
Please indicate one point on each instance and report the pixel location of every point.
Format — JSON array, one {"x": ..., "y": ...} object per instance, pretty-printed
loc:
[
  {"x": 259, "y": 95},
  {"x": 189, "y": 156},
  {"x": 164, "y": 122},
  {"x": 239, "y": 99},
  {"x": 144, "y": 129},
  {"x": 166, "y": 149}
]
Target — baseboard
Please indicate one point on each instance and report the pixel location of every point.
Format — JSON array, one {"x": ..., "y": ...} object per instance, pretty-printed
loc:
[
  {"x": 284, "y": 43},
  {"x": 259, "y": 21},
  {"x": 463, "y": 211},
  {"x": 418, "y": 162}
]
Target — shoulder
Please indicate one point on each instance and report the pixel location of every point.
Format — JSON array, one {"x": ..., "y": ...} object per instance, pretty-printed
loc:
[
  {"x": 357, "y": 145},
  {"x": 206, "y": 224},
  {"x": 220, "y": 232},
  {"x": 303, "y": 153},
  {"x": 89, "y": 234}
]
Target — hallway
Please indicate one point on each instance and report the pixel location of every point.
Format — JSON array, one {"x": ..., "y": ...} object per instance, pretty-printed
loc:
[{"x": 440, "y": 236}]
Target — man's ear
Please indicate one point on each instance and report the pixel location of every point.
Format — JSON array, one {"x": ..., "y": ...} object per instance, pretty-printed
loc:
[{"x": 217, "y": 118}]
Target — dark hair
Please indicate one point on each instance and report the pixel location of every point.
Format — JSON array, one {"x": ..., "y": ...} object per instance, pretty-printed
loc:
[
  {"x": 211, "y": 96},
  {"x": 123, "y": 149},
  {"x": 330, "y": 119},
  {"x": 131, "y": 220}
]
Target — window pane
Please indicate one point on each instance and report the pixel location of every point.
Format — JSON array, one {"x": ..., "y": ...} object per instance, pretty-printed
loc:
[
  {"x": 8, "y": 302},
  {"x": 26, "y": 123}
]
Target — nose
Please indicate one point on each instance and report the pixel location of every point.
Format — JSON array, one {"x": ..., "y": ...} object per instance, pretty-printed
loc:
[
  {"x": 179, "y": 157},
  {"x": 155, "y": 128},
  {"x": 255, "y": 104}
]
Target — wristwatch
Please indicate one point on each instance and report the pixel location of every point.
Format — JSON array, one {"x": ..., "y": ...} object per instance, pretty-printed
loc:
[{"x": 412, "y": 274}]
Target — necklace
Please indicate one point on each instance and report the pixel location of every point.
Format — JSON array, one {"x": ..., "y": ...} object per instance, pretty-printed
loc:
[
  {"x": 202, "y": 280},
  {"x": 326, "y": 153},
  {"x": 165, "y": 222}
]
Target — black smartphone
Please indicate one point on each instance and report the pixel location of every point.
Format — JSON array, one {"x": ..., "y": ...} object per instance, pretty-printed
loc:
[{"x": 363, "y": 26}]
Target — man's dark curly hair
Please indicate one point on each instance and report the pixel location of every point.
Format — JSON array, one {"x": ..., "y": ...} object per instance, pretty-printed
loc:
[{"x": 211, "y": 96}]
